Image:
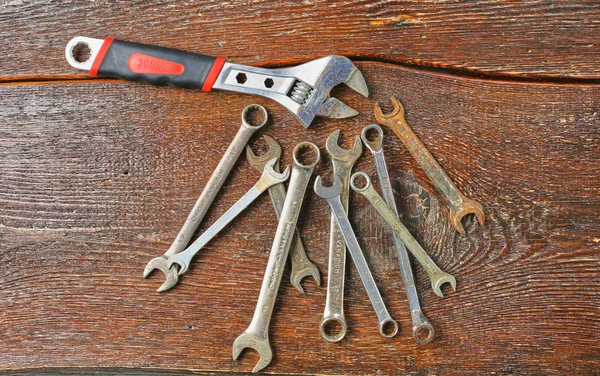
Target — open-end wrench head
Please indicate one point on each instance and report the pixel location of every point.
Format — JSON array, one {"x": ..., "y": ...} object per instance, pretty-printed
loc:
[
  {"x": 328, "y": 192},
  {"x": 396, "y": 115},
  {"x": 374, "y": 145},
  {"x": 336, "y": 152},
  {"x": 260, "y": 345},
  {"x": 258, "y": 161},
  {"x": 467, "y": 206},
  {"x": 271, "y": 177},
  {"x": 160, "y": 263},
  {"x": 439, "y": 279}
]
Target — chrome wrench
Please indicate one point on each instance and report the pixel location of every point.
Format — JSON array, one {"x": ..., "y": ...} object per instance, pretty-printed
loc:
[
  {"x": 206, "y": 197},
  {"x": 387, "y": 326},
  {"x": 422, "y": 328},
  {"x": 269, "y": 178},
  {"x": 301, "y": 265},
  {"x": 303, "y": 89},
  {"x": 436, "y": 275},
  {"x": 342, "y": 161},
  {"x": 256, "y": 336}
]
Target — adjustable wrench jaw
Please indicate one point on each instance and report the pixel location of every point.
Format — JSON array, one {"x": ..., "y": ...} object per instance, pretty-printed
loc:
[
  {"x": 160, "y": 263},
  {"x": 303, "y": 89}
]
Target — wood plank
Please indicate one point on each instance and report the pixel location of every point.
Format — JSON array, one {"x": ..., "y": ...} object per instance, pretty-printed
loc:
[
  {"x": 534, "y": 39},
  {"x": 96, "y": 178}
]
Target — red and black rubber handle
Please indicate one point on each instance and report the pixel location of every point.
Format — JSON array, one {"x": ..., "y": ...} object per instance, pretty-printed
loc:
[{"x": 156, "y": 65}]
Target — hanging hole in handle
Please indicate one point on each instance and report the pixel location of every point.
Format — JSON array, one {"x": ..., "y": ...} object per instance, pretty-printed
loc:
[
  {"x": 360, "y": 181},
  {"x": 81, "y": 52}
]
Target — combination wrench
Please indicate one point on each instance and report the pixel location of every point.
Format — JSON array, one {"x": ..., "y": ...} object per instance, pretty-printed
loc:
[
  {"x": 342, "y": 161},
  {"x": 268, "y": 178},
  {"x": 256, "y": 336},
  {"x": 458, "y": 203},
  {"x": 388, "y": 327},
  {"x": 206, "y": 197},
  {"x": 422, "y": 328},
  {"x": 436, "y": 275},
  {"x": 301, "y": 265}
]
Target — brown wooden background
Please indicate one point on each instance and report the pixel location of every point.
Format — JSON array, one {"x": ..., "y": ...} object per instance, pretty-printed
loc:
[{"x": 98, "y": 175}]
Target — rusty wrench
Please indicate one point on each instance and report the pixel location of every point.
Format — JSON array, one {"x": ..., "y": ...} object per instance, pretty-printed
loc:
[
  {"x": 256, "y": 336},
  {"x": 437, "y": 276},
  {"x": 422, "y": 328},
  {"x": 301, "y": 265},
  {"x": 388, "y": 327},
  {"x": 206, "y": 197},
  {"x": 342, "y": 161},
  {"x": 459, "y": 204}
]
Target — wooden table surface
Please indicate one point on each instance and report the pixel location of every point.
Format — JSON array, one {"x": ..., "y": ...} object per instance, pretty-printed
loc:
[{"x": 97, "y": 175}]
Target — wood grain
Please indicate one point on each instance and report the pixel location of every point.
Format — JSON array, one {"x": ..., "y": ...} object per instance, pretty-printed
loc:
[
  {"x": 97, "y": 177},
  {"x": 534, "y": 39}
]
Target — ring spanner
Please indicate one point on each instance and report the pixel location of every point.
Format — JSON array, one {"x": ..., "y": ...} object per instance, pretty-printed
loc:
[
  {"x": 207, "y": 196},
  {"x": 269, "y": 178},
  {"x": 422, "y": 328},
  {"x": 387, "y": 326},
  {"x": 436, "y": 275},
  {"x": 303, "y": 89}
]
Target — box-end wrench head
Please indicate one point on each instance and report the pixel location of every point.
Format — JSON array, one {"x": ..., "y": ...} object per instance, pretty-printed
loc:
[
  {"x": 256, "y": 336},
  {"x": 301, "y": 266},
  {"x": 459, "y": 204},
  {"x": 388, "y": 327},
  {"x": 437, "y": 276}
]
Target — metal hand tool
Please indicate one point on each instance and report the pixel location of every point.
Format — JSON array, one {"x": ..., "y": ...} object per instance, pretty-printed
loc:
[
  {"x": 422, "y": 328},
  {"x": 303, "y": 89},
  {"x": 206, "y": 197},
  {"x": 342, "y": 160},
  {"x": 269, "y": 178},
  {"x": 301, "y": 265},
  {"x": 459, "y": 204},
  {"x": 257, "y": 335},
  {"x": 387, "y": 326},
  {"x": 436, "y": 275}
]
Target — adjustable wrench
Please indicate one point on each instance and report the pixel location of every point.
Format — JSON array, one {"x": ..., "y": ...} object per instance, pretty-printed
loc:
[
  {"x": 342, "y": 160},
  {"x": 303, "y": 89},
  {"x": 459, "y": 204},
  {"x": 206, "y": 197},
  {"x": 301, "y": 265},
  {"x": 257, "y": 335},
  {"x": 269, "y": 178},
  {"x": 387, "y": 326},
  {"x": 436, "y": 275},
  {"x": 422, "y": 328}
]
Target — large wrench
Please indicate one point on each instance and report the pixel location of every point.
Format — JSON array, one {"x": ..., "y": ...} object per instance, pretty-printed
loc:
[
  {"x": 256, "y": 336},
  {"x": 387, "y": 326},
  {"x": 459, "y": 204},
  {"x": 301, "y": 265},
  {"x": 269, "y": 178},
  {"x": 206, "y": 197},
  {"x": 342, "y": 160},
  {"x": 436, "y": 275},
  {"x": 422, "y": 328}
]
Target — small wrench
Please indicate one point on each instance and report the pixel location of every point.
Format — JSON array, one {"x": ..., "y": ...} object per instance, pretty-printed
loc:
[
  {"x": 256, "y": 336},
  {"x": 342, "y": 160},
  {"x": 422, "y": 328},
  {"x": 301, "y": 265},
  {"x": 459, "y": 204},
  {"x": 206, "y": 197},
  {"x": 436, "y": 275},
  {"x": 387, "y": 326},
  {"x": 269, "y": 178}
]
